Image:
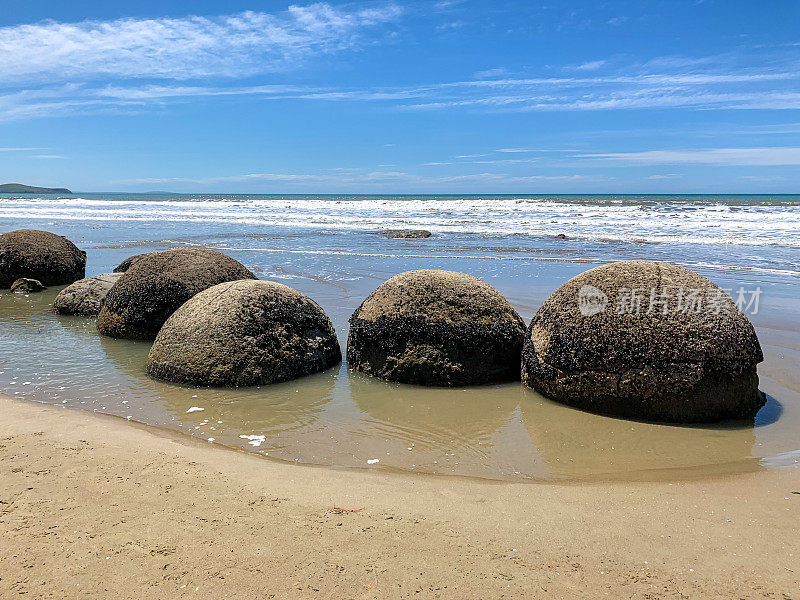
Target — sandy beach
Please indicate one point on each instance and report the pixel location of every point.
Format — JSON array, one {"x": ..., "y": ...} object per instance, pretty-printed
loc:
[
  {"x": 392, "y": 299},
  {"x": 97, "y": 507}
]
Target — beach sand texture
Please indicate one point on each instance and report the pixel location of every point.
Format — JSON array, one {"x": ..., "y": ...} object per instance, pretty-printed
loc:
[
  {"x": 96, "y": 507},
  {"x": 542, "y": 500}
]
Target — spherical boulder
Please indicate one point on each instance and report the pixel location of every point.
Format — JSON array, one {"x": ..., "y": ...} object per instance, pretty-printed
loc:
[
  {"x": 244, "y": 333},
  {"x": 128, "y": 262},
  {"x": 437, "y": 328},
  {"x": 645, "y": 340},
  {"x": 41, "y": 255},
  {"x": 24, "y": 285},
  {"x": 157, "y": 284},
  {"x": 85, "y": 297}
]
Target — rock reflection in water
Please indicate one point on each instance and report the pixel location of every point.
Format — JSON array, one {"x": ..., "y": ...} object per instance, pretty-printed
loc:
[
  {"x": 575, "y": 443},
  {"x": 347, "y": 419},
  {"x": 467, "y": 431},
  {"x": 224, "y": 414}
]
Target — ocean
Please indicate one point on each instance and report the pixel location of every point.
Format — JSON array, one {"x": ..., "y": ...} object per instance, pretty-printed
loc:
[
  {"x": 329, "y": 247},
  {"x": 748, "y": 232}
]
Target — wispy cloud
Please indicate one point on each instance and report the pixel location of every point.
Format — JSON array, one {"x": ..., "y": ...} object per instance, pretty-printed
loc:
[
  {"x": 182, "y": 48},
  {"x": 21, "y": 149},
  {"x": 371, "y": 177},
  {"x": 101, "y": 58},
  {"x": 489, "y": 73},
  {"x": 592, "y": 94},
  {"x": 592, "y": 65},
  {"x": 523, "y": 150},
  {"x": 778, "y": 156}
]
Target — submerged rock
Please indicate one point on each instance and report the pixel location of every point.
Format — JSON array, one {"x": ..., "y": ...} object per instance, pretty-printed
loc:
[
  {"x": 41, "y": 255},
  {"x": 128, "y": 262},
  {"x": 436, "y": 328},
  {"x": 157, "y": 284},
  {"x": 25, "y": 285},
  {"x": 645, "y": 340},
  {"x": 85, "y": 297},
  {"x": 244, "y": 333},
  {"x": 410, "y": 234}
]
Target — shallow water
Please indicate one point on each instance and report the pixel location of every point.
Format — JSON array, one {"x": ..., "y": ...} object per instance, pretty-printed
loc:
[
  {"x": 344, "y": 419},
  {"x": 347, "y": 419}
]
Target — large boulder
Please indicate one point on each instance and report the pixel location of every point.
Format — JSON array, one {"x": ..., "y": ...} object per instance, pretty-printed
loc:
[
  {"x": 85, "y": 297},
  {"x": 41, "y": 255},
  {"x": 436, "y": 328},
  {"x": 128, "y": 262},
  {"x": 244, "y": 333},
  {"x": 645, "y": 340},
  {"x": 157, "y": 284}
]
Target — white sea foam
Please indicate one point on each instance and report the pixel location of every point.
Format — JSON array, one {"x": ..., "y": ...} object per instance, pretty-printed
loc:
[
  {"x": 682, "y": 221},
  {"x": 254, "y": 440}
]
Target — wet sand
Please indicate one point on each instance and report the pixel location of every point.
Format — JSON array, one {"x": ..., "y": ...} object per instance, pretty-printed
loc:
[{"x": 96, "y": 507}]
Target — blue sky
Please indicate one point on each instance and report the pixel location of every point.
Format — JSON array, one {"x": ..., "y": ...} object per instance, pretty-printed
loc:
[{"x": 453, "y": 96}]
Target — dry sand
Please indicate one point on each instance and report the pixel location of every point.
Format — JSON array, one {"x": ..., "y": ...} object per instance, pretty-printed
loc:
[{"x": 95, "y": 507}]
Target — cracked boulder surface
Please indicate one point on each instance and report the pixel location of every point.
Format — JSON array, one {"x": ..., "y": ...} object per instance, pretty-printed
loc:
[
  {"x": 85, "y": 297},
  {"x": 41, "y": 255},
  {"x": 436, "y": 328},
  {"x": 645, "y": 340},
  {"x": 244, "y": 333},
  {"x": 157, "y": 284}
]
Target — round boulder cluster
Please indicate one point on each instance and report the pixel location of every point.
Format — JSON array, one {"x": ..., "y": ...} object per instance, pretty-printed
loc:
[
  {"x": 157, "y": 284},
  {"x": 437, "y": 328},
  {"x": 41, "y": 255},
  {"x": 244, "y": 333},
  {"x": 85, "y": 297},
  {"x": 645, "y": 340}
]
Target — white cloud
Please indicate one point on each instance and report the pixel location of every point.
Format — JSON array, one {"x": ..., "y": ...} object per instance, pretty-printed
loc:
[
  {"x": 73, "y": 99},
  {"x": 360, "y": 178},
  {"x": 642, "y": 98},
  {"x": 592, "y": 65},
  {"x": 778, "y": 156},
  {"x": 181, "y": 48},
  {"x": 523, "y": 150},
  {"x": 451, "y": 26},
  {"x": 444, "y": 5},
  {"x": 772, "y": 86},
  {"x": 491, "y": 73}
]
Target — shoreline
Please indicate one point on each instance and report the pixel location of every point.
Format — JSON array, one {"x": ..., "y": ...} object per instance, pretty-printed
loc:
[
  {"x": 91, "y": 507},
  {"x": 656, "y": 475}
]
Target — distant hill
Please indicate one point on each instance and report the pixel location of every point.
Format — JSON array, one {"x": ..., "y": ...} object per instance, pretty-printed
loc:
[{"x": 18, "y": 188}]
